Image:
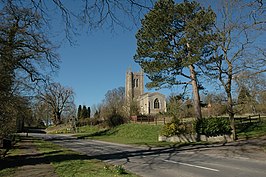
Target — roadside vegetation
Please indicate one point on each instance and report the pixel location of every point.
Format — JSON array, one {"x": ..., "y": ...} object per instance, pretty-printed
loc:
[
  {"x": 70, "y": 163},
  {"x": 253, "y": 131},
  {"x": 65, "y": 162},
  {"x": 147, "y": 134}
]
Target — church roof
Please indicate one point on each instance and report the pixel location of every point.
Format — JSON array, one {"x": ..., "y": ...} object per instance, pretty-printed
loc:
[{"x": 150, "y": 94}]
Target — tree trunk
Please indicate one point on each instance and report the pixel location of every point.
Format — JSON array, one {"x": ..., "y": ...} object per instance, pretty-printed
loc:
[
  {"x": 58, "y": 118},
  {"x": 196, "y": 97},
  {"x": 231, "y": 114},
  {"x": 230, "y": 103}
]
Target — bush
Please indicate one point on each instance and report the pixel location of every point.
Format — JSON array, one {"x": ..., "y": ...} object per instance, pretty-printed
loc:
[
  {"x": 175, "y": 127},
  {"x": 88, "y": 121},
  {"x": 213, "y": 126},
  {"x": 115, "y": 120},
  {"x": 119, "y": 169}
]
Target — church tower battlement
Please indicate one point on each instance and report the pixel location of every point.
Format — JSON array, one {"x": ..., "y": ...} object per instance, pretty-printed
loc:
[{"x": 134, "y": 85}]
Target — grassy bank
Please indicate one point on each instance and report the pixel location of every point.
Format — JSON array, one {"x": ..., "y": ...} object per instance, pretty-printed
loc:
[
  {"x": 140, "y": 134},
  {"x": 70, "y": 163},
  {"x": 147, "y": 134}
]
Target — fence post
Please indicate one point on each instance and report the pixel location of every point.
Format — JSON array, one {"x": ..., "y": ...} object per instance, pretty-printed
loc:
[
  {"x": 249, "y": 119},
  {"x": 259, "y": 118},
  {"x": 164, "y": 120},
  {"x": 155, "y": 120}
]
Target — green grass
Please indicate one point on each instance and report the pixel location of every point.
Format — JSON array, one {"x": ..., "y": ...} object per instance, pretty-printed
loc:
[
  {"x": 147, "y": 134},
  {"x": 139, "y": 134},
  {"x": 7, "y": 172},
  {"x": 63, "y": 128},
  {"x": 69, "y": 163},
  {"x": 93, "y": 168},
  {"x": 12, "y": 152},
  {"x": 253, "y": 131},
  {"x": 89, "y": 129}
]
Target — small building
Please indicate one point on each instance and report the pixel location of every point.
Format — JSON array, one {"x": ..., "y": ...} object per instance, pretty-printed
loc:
[{"x": 148, "y": 103}]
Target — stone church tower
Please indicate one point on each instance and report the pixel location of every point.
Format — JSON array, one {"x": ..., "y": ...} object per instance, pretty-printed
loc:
[
  {"x": 134, "y": 85},
  {"x": 148, "y": 103}
]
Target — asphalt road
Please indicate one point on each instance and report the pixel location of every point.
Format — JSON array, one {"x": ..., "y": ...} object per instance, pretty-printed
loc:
[{"x": 194, "y": 161}]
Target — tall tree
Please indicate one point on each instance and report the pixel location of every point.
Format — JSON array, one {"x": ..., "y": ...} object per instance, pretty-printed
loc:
[
  {"x": 26, "y": 55},
  {"x": 114, "y": 103},
  {"x": 84, "y": 112},
  {"x": 59, "y": 98},
  {"x": 171, "y": 42},
  {"x": 244, "y": 96},
  {"x": 25, "y": 49},
  {"x": 89, "y": 112},
  {"x": 79, "y": 112},
  {"x": 239, "y": 46}
]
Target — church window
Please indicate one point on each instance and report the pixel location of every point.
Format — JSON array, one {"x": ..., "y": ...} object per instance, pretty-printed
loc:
[
  {"x": 134, "y": 83},
  {"x": 137, "y": 83},
  {"x": 156, "y": 104}
]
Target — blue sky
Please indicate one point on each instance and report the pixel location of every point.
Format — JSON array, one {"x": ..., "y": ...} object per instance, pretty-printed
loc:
[
  {"x": 99, "y": 60},
  {"x": 97, "y": 63}
]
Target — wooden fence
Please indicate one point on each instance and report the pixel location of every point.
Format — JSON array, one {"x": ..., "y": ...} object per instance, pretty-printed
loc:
[
  {"x": 249, "y": 119},
  {"x": 163, "y": 120},
  {"x": 149, "y": 120}
]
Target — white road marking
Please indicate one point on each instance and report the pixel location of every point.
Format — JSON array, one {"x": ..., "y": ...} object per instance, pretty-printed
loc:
[{"x": 190, "y": 165}]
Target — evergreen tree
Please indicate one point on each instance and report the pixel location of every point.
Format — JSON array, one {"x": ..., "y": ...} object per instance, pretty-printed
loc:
[
  {"x": 89, "y": 112},
  {"x": 244, "y": 96},
  {"x": 84, "y": 112},
  {"x": 79, "y": 112},
  {"x": 171, "y": 43}
]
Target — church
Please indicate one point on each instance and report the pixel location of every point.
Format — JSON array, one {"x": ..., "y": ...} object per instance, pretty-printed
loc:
[{"x": 148, "y": 103}]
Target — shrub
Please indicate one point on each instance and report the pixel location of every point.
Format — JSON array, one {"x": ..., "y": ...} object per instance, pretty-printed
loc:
[
  {"x": 213, "y": 126},
  {"x": 119, "y": 169},
  {"x": 175, "y": 127},
  {"x": 115, "y": 120}
]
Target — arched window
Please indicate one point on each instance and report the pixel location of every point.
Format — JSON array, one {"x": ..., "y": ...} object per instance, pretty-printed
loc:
[
  {"x": 156, "y": 104},
  {"x": 137, "y": 83},
  {"x": 134, "y": 83}
]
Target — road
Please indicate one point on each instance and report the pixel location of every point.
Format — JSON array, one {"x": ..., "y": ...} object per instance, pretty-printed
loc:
[{"x": 197, "y": 161}]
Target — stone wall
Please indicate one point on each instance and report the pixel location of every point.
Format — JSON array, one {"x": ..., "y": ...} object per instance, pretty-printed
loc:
[{"x": 185, "y": 138}]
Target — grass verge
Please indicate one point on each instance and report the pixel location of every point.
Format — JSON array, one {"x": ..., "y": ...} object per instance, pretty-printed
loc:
[
  {"x": 69, "y": 163},
  {"x": 65, "y": 162},
  {"x": 7, "y": 172}
]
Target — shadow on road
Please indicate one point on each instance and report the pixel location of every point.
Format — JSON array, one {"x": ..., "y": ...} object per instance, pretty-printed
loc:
[{"x": 55, "y": 156}]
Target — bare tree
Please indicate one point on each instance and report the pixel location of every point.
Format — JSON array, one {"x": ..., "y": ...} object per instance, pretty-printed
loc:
[
  {"x": 239, "y": 46},
  {"x": 59, "y": 98},
  {"x": 25, "y": 50},
  {"x": 41, "y": 112},
  {"x": 114, "y": 102},
  {"x": 89, "y": 13},
  {"x": 252, "y": 85},
  {"x": 26, "y": 55}
]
